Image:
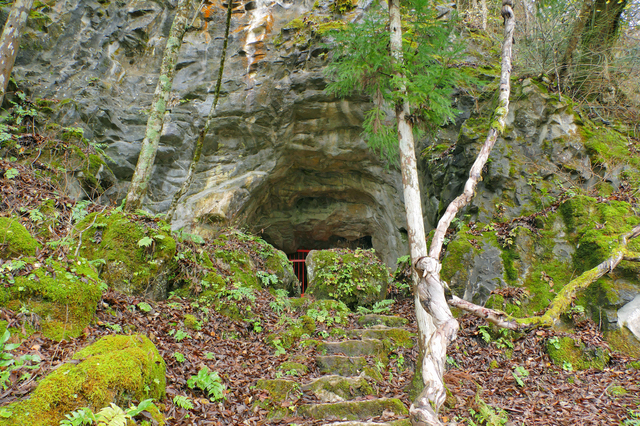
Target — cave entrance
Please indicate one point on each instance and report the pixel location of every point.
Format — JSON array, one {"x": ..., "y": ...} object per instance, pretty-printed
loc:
[{"x": 299, "y": 267}]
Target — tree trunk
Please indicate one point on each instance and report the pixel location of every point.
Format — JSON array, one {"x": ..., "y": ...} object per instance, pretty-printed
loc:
[
  {"x": 430, "y": 288},
  {"x": 142, "y": 174},
  {"x": 203, "y": 133},
  {"x": 413, "y": 206},
  {"x": 578, "y": 29},
  {"x": 10, "y": 41}
]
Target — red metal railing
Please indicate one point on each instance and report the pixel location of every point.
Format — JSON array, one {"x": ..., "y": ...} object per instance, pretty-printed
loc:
[{"x": 299, "y": 267}]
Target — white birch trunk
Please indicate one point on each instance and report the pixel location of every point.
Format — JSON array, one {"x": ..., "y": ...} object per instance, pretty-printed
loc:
[
  {"x": 430, "y": 288},
  {"x": 149, "y": 148},
  {"x": 10, "y": 40}
]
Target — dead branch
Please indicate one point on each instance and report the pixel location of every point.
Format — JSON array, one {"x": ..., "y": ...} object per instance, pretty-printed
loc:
[{"x": 562, "y": 302}]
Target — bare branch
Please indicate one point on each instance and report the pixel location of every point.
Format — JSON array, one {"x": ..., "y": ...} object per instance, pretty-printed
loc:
[
  {"x": 497, "y": 127},
  {"x": 563, "y": 299}
]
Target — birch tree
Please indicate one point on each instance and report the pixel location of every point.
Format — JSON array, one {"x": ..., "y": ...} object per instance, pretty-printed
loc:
[
  {"x": 149, "y": 147},
  {"x": 197, "y": 151},
  {"x": 437, "y": 327},
  {"x": 10, "y": 40}
]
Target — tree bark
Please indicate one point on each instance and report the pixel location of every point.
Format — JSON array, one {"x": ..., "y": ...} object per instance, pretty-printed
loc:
[
  {"x": 203, "y": 133},
  {"x": 576, "y": 33},
  {"x": 149, "y": 148},
  {"x": 10, "y": 40},
  {"x": 430, "y": 288},
  {"x": 562, "y": 302}
]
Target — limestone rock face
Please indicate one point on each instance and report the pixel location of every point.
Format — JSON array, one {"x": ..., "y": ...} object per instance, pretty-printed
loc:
[{"x": 282, "y": 156}]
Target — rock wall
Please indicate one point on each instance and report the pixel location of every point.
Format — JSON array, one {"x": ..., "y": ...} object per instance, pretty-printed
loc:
[{"x": 282, "y": 157}]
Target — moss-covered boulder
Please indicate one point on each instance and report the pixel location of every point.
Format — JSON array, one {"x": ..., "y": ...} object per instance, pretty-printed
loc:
[
  {"x": 61, "y": 296},
  {"x": 355, "y": 277},
  {"x": 136, "y": 255},
  {"x": 15, "y": 240},
  {"x": 116, "y": 369},
  {"x": 573, "y": 354}
]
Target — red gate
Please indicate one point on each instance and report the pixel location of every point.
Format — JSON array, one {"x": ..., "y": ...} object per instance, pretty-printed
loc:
[{"x": 299, "y": 267}]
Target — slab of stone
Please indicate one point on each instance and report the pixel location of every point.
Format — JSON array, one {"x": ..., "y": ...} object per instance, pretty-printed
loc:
[
  {"x": 629, "y": 316},
  {"x": 341, "y": 365},
  {"x": 352, "y": 347},
  {"x": 398, "y": 336},
  {"x": 388, "y": 320},
  {"x": 353, "y": 410},
  {"x": 335, "y": 388},
  {"x": 402, "y": 422}
]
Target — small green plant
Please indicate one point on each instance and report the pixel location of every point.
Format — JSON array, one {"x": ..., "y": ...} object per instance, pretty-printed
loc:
[
  {"x": 179, "y": 357},
  {"x": 567, "y": 366},
  {"x": 281, "y": 303},
  {"x": 210, "y": 382},
  {"x": 452, "y": 362},
  {"x": 145, "y": 242},
  {"x": 79, "y": 211},
  {"x": 115, "y": 327},
  {"x": 634, "y": 418},
  {"x": 183, "y": 402},
  {"x": 555, "y": 342},
  {"x": 144, "y": 307},
  {"x": 381, "y": 307},
  {"x": 11, "y": 173},
  {"x": 9, "y": 364},
  {"x": 519, "y": 373},
  {"x": 267, "y": 279},
  {"x": 179, "y": 335},
  {"x": 280, "y": 350},
  {"x": 487, "y": 415},
  {"x": 108, "y": 416}
]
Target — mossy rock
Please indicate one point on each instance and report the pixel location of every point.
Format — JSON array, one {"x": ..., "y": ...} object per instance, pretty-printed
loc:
[
  {"x": 293, "y": 368},
  {"x": 286, "y": 338},
  {"x": 622, "y": 340},
  {"x": 62, "y": 296},
  {"x": 353, "y": 410},
  {"x": 338, "y": 388},
  {"x": 239, "y": 265},
  {"x": 357, "y": 278},
  {"x": 278, "y": 264},
  {"x": 391, "y": 337},
  {"x": 341, "y": 365},
  {"x": 15, "y": 240},
  {"x": 116, "y": 369},
  {"x": 137, "y": 256},
  {"x": 565, "y": 350},
  {"x": 372, "y": 320},
  {"x": 282, "y": 394}
]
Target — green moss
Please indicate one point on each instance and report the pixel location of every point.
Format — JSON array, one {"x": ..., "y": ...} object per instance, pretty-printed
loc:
[
  {"x": 458, "y": 252},
  {"x": 622, "y": 340},
  {"x": 240, "y": 266},
  {"x": 64, "y": 296},
  {"x": 357, "y": 278},
  {"x": 15, "y": 240},
  {"x": 353, "y": 410},
  {"x": 191, "y": 322},
  {"x": 289, "y": 366},
  {"x": 565, "y": 350},
  {"x": 114, "y": 369},
  {"x": 280, "y": 392},
  {"x": 131, "y": 268},
  {"x": 617, "y": 391}
]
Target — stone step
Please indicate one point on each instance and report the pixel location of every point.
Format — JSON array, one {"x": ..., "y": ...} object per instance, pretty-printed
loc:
[
  {"x": 395, "y": 335},
  {"x": 374, "y": 319},
  {"x": 352, "y": 348},
  {"x": 341, "y": 365},
  {"x": 353, "y": 410},
  {"x": 337, "y": 388},
  {"x": 402, "y": 422}
]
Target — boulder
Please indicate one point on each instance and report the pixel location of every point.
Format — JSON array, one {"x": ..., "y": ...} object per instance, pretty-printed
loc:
[
  {"x": 116, "y": 368},
  {"x": 355, "y": 277}
]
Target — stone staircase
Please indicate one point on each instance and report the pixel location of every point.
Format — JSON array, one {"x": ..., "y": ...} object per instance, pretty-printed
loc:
[{"x": 348, "y": 389}]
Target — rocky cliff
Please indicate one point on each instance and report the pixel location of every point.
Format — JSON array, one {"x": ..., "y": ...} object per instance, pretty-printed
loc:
[{"x": 287, "y": 160}]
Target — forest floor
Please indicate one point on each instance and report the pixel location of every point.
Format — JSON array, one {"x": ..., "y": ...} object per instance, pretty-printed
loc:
[
  {"x": 490, "y": 379},
  {"x": 549, "y": 395}
]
